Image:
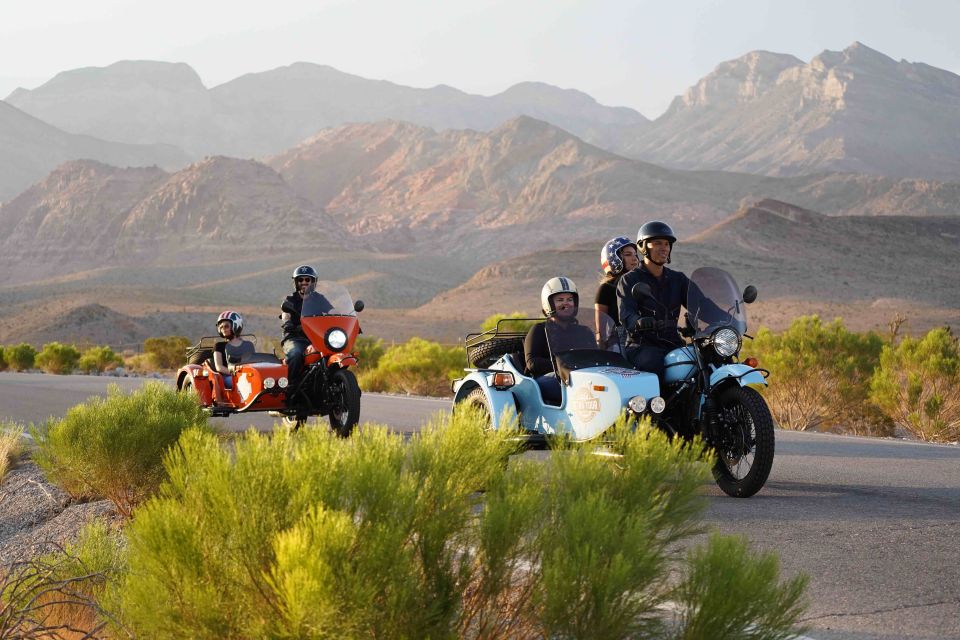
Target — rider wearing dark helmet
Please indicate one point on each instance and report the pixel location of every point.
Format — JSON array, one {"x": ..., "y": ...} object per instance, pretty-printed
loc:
[
  {"x": 294, "y": 341},
  {"x": 651, "y": 324}
]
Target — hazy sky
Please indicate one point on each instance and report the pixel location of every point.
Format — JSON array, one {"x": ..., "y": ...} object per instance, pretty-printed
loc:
[{"x": 638, "y": 54}]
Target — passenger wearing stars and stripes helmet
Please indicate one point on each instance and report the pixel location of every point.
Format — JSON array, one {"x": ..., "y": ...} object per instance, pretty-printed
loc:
[
  {"x": 611, "y": 258},
  {"x": 235, "y": 321}
]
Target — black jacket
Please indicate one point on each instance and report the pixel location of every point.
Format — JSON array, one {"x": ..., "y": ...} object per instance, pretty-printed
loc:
[
  {"x": 670, "y": 292},
  {"x": 536, "y": 349},
  {"x": 292, "y": 329}
]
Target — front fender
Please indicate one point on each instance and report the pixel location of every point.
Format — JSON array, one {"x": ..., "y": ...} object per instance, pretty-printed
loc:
[
  {"x": 502, "y": 406},
  {"x": 741, "y": 373}
]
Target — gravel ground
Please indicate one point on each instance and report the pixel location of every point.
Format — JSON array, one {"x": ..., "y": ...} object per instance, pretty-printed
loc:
[{"x": 36, "y": 516}]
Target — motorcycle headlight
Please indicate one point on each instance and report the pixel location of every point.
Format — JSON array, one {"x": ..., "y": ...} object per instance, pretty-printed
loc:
[
  {"x": 726, "y": 342},
  {"x": 336, "y": 339}
]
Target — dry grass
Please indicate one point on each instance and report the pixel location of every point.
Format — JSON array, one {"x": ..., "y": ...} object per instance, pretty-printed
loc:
[{"x": 10, "y": 446}]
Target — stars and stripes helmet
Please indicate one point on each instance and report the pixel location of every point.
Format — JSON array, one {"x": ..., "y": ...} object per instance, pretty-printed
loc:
[
  {"x": 235, "y": 320},
  {"x": 610, "y": 259},
  {"x": 560, "y": 284}
]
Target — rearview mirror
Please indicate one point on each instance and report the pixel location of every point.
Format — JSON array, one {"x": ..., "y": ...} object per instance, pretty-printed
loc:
[
  {"x": 641, "y": 290},
  {"x": 749, "y": 294},
  {"x": 358, "y": 306}
]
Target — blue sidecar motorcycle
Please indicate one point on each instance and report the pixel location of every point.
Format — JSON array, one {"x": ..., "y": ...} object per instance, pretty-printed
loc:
[
  {"x": 707, "y": 390},
  {"x": 596, "y": 384}
]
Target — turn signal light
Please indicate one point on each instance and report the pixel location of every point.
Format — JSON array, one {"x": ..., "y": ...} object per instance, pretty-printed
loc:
[
  {"x": 752, "y": 362},
  {"x": 503, "y": 380}
]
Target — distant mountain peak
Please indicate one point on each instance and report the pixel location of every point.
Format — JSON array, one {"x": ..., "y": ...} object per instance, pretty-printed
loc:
[{"x": 736, "y": 81}]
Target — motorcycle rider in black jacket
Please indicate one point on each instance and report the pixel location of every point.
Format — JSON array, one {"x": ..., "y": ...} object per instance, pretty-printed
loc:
[
  {"x": 294, "y": 341},
  {"x": 651, "y": 324}
]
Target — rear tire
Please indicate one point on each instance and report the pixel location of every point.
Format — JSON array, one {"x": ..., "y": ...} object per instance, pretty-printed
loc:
[
  {"x": 745, "y": 450},
  {"x": 345, "y": 412},
  {"x": 477, "y": 399}
]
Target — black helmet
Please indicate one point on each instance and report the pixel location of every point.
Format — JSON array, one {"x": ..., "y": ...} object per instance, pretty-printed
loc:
[
  {"x": 304, "y": 271},
  {"x": 654, "y": 230}
]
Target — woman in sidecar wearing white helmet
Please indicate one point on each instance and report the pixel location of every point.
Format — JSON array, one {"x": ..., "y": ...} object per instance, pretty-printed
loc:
[{"x": 559, "y": 301}]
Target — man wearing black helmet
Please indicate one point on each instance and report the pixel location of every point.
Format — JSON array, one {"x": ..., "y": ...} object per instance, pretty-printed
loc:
[
  {"x": 294, "y": 340},
  {"x": 651, "y": 323}
]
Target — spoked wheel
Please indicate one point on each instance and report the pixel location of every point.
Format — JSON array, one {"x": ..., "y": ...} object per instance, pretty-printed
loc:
[
  {"x": 345, "y": 396},
  {"x": 294, "y": 423},
  {"x": 746, "y": 443}
]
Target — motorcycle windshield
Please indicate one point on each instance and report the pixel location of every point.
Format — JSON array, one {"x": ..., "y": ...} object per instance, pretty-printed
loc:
[
  {"x": 328, "y": 299},
  {"x": 580, "y": 331},
  {"x": 715, "y": 301}
]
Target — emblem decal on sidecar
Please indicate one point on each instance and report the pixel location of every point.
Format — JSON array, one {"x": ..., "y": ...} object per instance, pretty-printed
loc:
[
  {"x": 584, "y": 405},
  {"x": 618, "y": 371}
]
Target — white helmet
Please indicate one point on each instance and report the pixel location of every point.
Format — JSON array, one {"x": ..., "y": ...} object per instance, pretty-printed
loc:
[{"x": 560, "y": 284}]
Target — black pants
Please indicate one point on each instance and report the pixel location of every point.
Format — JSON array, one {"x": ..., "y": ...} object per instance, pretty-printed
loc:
[
  {"x": 648, "y": 358},
  {"x": 294, "y": 349}
]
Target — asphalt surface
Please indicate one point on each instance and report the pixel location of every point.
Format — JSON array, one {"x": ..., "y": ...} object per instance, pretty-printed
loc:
[{"x": 874, "y": 523}]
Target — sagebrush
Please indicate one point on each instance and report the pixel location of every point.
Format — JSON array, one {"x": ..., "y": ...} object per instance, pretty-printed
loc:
[
  {"x": 312, "y": 536},
  {"x": 113, "y": 447}
]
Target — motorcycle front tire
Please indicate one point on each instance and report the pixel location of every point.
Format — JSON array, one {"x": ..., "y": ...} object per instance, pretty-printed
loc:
[{"x": 751, "y": 410}]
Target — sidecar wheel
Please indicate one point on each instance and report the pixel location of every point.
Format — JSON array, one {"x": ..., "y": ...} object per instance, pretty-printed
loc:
[
  {"x": 345, "y": 412},
  {"x": 477, "y": 399},
  {"x": 745, "y": 450}
]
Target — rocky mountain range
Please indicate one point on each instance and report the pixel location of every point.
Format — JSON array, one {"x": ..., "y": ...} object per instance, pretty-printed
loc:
[
  {"x": 264, "y": 113},
  {"x": 30, "y": 149},
  {"x": 394, "y": 187},
  {"x": 855, "y": 110}
]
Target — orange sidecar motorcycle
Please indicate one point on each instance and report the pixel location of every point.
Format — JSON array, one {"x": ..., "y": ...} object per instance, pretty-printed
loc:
[{"x": 259, "y": 383}]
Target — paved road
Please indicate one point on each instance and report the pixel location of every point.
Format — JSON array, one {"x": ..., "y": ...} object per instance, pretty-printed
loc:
[{"x": 876, "y": 523}]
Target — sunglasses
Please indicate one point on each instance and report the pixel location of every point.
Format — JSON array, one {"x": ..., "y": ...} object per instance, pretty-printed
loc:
[{"x": 299, "y": 280}]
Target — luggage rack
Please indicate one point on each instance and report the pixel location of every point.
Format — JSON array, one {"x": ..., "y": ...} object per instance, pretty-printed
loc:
[{"x": 483, "y": 349}]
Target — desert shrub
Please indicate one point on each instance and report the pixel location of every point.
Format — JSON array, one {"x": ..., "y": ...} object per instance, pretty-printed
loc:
[
  {"x": 10, "y": 445},
  {"x": 58, "y": 358},
  {"x": 3, "y": 359},
  {"x": 369, "y": 351},
  {"x": 417, "y": 366},
  {"x": 168, "y": 352},
  {"x": 313, "y": 536},
  {"x": 113, "y": 447},
  {"x": 56, "y": 595},
  {"x": 99, "y": 359},
  {"x": 918, "y": 385},
  {"x": 519, "y": 325},
  {"x": 820, "y": 375},
  {"x": 21, "y": 356}
]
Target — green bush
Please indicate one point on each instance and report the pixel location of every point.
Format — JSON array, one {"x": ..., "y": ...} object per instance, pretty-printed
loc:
[
  {"x": 21, "y": 357},
  {"x": 519, "y": 325},
  {"x": 3, "y": 359},
  {"x": 820, "y": 376},
  {"x": 918, "y": 385},
  {"x": 99, "y": 359},
  {"x": 369, "y": 351},
  {"x": 168, "y": 352},
  {"x": 417, "y": 366},
  {"x": 113, "y": 447},
  {"x": 61, "y": 590},
  {"x": 58, "y": 358},
  {"x": 310, "y": 535}
]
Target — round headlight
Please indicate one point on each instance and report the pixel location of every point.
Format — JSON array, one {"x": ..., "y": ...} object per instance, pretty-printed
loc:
[
  {"x": 268, "y": 383},
  {"x": 637, "y": 404},
  {"x": 282, "y": 383},
  {"x": 726, "y": 342},
  {"x": 658, "y": 404},
  {"x": 336, "y": 339}
]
